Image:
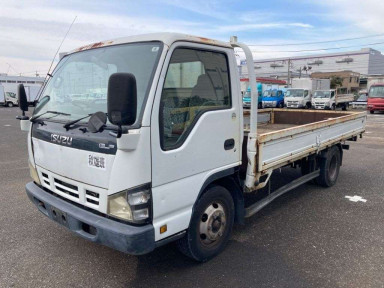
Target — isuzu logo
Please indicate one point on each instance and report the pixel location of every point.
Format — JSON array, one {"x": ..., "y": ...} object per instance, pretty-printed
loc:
[{"x": 60, "y": 139}]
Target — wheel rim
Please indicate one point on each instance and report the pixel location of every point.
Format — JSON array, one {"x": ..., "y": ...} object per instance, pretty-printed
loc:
[
  {"x": 332, "y": 170},
  {"x": 212, "y": 224}
]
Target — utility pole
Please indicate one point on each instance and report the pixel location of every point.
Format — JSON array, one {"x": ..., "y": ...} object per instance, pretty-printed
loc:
[{"x": 289, "y": 72}]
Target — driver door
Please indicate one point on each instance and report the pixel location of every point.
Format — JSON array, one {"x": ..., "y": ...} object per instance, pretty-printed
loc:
[{"x": 195, "y": 130}]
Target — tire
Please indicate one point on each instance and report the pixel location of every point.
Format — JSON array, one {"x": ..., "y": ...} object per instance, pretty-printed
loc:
[
  {"x": 10, "y": 104},
  {"x": 280, "y": 105},
  {"x": 333, "y": 107},
  {"x": 371, "y": 111},
  {"x": 211, "y": 225},
  {"x": 345, "y": 107},
  {"x": 308, "y": 105},
  {"x": 259, "y": 106},
  {"x": 330, "y": 167}
]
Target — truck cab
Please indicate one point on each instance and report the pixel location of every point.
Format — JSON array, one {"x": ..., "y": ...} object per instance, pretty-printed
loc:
[
  {"x": 247, "y": 97},
  {"x": 10, "y": 99},
  {"x": 376, "y": 98},
  {"x": 298, "y": 98},
  {"x": 323, "y": 99},
  {"x": 138, "y": 177},
  {"x": 273, "y": 98}
]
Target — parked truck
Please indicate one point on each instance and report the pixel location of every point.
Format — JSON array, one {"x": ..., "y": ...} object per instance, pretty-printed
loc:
[
  {"x": 300, "y": 93},
  {"x": 8, "y": 99},
  {"x": 169, "y": 155},
  {"x": 331, "y": 100},
  {"x": 247, "y": 96},
  {"x": 273, "y": 98},
  {"x": 376, "y": 98},
  {"x": 2, "y": 95}
]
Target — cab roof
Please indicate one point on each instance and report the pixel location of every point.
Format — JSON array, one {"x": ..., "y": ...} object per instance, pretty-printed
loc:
[{"x": 167, "y": 38}]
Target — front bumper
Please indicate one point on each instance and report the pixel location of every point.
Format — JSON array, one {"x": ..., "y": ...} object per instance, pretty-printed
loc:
[
  {"x": 371, "y": 107},
  {"x": 135, "y": 240}
]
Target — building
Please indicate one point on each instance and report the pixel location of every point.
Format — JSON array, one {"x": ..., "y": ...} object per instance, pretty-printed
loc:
[
  {"x": 366, "y": 61},
  {"x": 351, "y": 80},
  {"x": 10, "y": 83}
]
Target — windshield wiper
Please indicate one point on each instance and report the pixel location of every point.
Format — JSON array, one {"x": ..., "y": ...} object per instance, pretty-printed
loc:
[
  {"x": 52, "y": 112},
  {"x": 68, "y": 124}
]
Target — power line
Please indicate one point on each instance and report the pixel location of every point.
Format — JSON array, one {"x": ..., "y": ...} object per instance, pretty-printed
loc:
[
  {"x": 318, "y": 42},
  {"x": 322, "y": 49}
]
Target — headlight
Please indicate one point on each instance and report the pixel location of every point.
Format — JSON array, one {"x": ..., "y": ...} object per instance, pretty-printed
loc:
[
  {"x": 326, "y": 104},
  {"x": 131, "y": 205},
  {"x": 33, "y": 173}
]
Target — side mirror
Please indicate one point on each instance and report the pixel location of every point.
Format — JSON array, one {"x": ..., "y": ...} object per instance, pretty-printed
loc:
[
  {"x": 122, "y": 99},
  {"x": 22, "y": 97}
]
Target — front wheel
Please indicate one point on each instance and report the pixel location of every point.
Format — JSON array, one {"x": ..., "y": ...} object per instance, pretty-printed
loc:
[
  {"x": 280, "y": 105},
  {"x": 211, "y": 225},
  {"x": 371, "y": 111},
  {"x": 259, "y": 106},
  {"x": 10, "y": 104}
]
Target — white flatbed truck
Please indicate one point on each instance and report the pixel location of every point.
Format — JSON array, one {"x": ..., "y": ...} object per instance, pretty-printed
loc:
[
  {"x": 331, "y": 100},
  {"x": 168, "y": 154}
]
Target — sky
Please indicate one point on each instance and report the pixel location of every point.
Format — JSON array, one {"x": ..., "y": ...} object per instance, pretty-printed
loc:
[{"x": 31, "y": 31}]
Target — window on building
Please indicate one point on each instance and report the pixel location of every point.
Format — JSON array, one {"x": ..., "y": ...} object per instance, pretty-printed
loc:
[
  {"x": 197, "y": 81},
  {"x": 11, "y": 81},
  {"x": 3, "y": 81},
  {"x": 31, "y": 82},
  {"x": 22, "y": 82}
]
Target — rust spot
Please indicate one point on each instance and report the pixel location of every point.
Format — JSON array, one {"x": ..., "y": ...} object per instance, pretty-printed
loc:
[{"x": 94, "y": 45}]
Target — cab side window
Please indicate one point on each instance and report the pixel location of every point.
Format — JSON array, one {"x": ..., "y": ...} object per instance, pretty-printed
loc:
[
  {"x": 197, "y": 81},
  {"x": 305, "y": 93}
]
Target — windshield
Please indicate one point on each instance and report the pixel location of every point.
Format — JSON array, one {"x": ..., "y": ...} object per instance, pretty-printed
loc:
[
  {"x": 295, "y": 93},
  {"x": 80, "y": 81},
  {"x": 270, "y": 93},
  {"x": 322, "y": 94},
  {"x": 376, "y": 92},
  {"x": 362, "y": 98}
]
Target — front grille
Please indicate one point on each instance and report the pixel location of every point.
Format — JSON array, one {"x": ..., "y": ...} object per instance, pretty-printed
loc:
[
  {"x": 84, "y": 194},
  {"x": 66, "y": 188},
  {"x": 92, "y": 197}
]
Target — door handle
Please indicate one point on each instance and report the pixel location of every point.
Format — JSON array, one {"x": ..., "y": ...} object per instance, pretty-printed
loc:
[{"x": 229, "y": 144}]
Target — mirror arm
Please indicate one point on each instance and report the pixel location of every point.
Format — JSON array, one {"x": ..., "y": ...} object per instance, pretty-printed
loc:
[{"x": 118, "y": 133}]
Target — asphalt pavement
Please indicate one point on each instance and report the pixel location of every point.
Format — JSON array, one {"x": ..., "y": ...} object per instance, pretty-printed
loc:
[{"x": 310, "y": 237}]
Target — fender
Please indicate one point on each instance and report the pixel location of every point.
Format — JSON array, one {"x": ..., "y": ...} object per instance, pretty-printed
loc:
[{"x": 228, "y": 179}]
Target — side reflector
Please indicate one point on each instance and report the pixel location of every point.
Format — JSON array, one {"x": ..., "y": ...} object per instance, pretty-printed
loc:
[{"x": 163, "y": 229}]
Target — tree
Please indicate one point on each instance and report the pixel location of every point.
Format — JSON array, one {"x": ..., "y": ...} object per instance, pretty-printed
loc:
[{"x": 336, "y": 81}]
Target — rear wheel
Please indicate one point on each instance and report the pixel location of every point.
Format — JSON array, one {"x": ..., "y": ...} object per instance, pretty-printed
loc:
[
  {"x": 330, "y": 167},
  {"x": 345, "y": 107},
  {"x": 211, "y": 225}
]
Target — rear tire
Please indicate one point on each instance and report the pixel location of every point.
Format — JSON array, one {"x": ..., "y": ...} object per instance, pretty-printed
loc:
[
  {"x": 330, "y": 167},
  {"x": 211, "y": 225}
]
